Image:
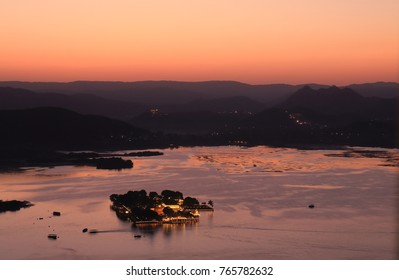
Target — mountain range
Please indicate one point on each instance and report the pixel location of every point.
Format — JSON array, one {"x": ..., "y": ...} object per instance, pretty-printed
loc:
[
  {"x": 172, "y": 92},
  {"x": 309, "y": 115},
  {"x": 125, "y": 101}
]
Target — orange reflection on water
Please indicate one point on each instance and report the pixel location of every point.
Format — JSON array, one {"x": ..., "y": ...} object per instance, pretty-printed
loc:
[
  {"x": 264, "y": 159},
  {"x": 259, "y": 213}
]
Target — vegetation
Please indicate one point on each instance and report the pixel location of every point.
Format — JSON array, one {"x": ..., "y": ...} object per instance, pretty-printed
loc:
[
  {"x": 189, "y": 201},
  {"x": 144, "y": 154},
  {"x": 13, "y": 205},
  {"x": 113, "y": 163}
]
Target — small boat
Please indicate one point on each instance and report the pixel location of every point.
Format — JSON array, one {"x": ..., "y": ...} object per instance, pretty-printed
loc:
[
  {"x": 52, "y": 236},
  {"x": 137, "y": 236},
  {"x": 56, "y": 213}
]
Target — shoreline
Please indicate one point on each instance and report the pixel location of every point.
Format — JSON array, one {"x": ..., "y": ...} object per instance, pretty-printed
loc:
[{"x": 51, "y": 159}]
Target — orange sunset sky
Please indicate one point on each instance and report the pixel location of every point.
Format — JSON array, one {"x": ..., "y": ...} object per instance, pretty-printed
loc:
[{"x": 254, "y": 41}]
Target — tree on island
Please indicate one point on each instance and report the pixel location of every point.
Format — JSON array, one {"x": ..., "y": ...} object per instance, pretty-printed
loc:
[
  {"x": 190, "y": 201},
  {"x": 172, "y": 194},
  {"x": 141, "y": 214},
  {"x": 171, "y": 197},
  {"x": 168, "y": 212},
  {"x": 131, "y": 199},
  {"x": 153, "y": 195},
  {"x": 210, "y": 202}
]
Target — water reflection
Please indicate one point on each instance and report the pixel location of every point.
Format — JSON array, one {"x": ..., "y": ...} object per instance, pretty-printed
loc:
[
  {"x": 166, "y": 229},
  {"x": 260, "y": 212},
  {"x": 291, "y": 160}
]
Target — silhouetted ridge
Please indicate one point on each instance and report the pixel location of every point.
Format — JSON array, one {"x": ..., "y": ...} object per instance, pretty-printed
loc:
[
  {"x": 164, "y": 92},
  {"x": 331, "y": 100},
  {"x": 332, "y": 91},
  {"x": 17, "y": 99},
  {"x": 156, "y": 93},
  {"x": 57, "y": 128},
  {"x": 311, "y": 115},
  {"x": 304, "y": 90},
  {"x": 378, "y": 89}
]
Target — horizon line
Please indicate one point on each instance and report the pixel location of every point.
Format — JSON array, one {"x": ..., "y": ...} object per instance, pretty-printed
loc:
[{"x": 200, "y": 81}]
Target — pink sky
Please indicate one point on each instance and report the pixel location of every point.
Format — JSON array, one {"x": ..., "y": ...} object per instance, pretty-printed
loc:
[{"x": 255, "y": 41}]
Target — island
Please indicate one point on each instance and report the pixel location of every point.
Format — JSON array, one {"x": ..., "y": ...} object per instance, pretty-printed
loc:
[
  {"x": 169, "y": 207},
  {"x": 144, "y": 154},
  {"x": 13, "y": 205},
  {"x": 113, "y": 163}
]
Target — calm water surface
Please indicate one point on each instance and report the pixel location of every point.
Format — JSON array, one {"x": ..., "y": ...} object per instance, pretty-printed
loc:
[{"x": 261, "y": 196}]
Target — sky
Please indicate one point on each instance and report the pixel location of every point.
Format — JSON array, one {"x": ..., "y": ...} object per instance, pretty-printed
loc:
[{"x": 254, "y": 41}]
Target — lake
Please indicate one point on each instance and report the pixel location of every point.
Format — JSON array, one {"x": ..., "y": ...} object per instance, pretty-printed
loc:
[{"x": 261, "y": 198}]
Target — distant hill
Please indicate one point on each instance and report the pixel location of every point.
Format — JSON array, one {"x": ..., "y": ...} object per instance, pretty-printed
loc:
[
  {"x": 55, "y": 128},
  {"x": 234, "y": 104},
  {"x": 15, "y": 99},
  {"x": 379, "y": 89},
  {"x": 164, "y": 92},
  {"x": 332, "y": 99},
  {"x": 174, "y": 92},
  {"x": 298, "y": 126},
  {"x": 338, "y": 101},
  {"x": 200, "y": 116},
  {"x": 202, "y": 113}
]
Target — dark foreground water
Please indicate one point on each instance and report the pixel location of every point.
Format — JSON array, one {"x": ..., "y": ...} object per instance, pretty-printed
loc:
[{"x": 261, "y": 196}]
